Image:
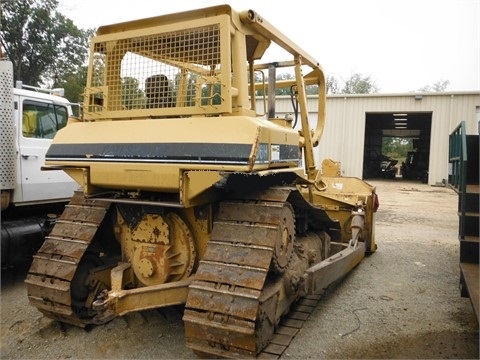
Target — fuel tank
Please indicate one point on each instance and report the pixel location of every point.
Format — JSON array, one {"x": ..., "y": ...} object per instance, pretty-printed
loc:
[{"x": 21, "y": 239}]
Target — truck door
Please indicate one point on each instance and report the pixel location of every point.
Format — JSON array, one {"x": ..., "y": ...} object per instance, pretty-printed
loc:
[{"x": 38, "y": 120}]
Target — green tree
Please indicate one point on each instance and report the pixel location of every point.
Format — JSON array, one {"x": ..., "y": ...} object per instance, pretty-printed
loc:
[
  {"x": 284, "y": 76},
  {"x": 73, "y": 84},
  {"x": 356, "y": 84},
  {"x": 359, "y": 84},
  {"x": 309, "y": 89},
  {"x": 332, "y": 85},
  {"x": 44, "y": 46},
  {"x": 397, "y": 147},
  {"x": 189, "y": 99},
  {"x": 439, "y": 86},
  {"x": 132, "y": 96}
]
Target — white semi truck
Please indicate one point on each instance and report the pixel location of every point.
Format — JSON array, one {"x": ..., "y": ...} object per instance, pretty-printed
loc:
[{"x": 30, "y": 197}]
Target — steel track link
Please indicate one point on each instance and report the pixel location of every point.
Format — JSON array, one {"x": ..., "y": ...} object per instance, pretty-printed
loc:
[
  {"x": 225, "y": 314},
  {"x": 289, "y": 327},
  {"x": 53, "y": 268}
]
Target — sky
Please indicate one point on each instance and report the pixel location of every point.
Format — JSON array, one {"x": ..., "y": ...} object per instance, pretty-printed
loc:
[{"x": 402, "y": 45}]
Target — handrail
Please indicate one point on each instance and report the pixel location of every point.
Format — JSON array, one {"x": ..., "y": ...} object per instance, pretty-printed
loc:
[{"x": 457, "y": 177}]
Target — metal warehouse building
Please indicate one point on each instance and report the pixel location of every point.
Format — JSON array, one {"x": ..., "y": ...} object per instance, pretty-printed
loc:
[{"x": 356, "y": 124}]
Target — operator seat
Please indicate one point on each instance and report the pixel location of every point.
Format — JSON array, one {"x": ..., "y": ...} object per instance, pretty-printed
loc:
[{"x": 158, "y": 92}]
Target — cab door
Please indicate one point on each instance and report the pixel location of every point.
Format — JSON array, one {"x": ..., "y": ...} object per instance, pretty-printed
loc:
[{"x": 38, "y": 122}]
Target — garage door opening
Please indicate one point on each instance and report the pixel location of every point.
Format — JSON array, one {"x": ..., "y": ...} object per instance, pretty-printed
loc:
[{"x": 397, "y": 145}]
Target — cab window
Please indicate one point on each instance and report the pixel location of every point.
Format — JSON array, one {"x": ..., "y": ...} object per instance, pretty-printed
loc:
[{"x": 43, "y": 120}]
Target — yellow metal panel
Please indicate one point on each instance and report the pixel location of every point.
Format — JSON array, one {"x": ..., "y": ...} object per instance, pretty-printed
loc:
[
  {"x": 195, "y": 182},
  {"x": 134, "y": 176}
]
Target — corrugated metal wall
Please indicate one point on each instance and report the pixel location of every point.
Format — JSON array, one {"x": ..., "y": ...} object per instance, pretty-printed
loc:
[{"x": 343, "y": 137}]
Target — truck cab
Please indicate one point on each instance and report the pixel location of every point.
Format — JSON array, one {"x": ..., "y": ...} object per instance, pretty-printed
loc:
[
  {"x": 38, "y": 117},
  {"x": 30, "y": 118}
]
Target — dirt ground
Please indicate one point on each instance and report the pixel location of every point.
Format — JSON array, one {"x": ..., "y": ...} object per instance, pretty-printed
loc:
[{"x": 401, "y": 302}]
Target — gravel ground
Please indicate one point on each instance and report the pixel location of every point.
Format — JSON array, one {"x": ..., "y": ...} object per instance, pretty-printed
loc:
[{"x": 401, "y": 302}]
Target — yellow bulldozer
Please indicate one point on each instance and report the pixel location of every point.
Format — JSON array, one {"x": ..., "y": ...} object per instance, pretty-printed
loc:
[{"x": 194, "y": 191}]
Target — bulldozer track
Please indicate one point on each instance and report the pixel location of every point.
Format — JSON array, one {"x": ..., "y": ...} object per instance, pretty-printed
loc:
[
  {"x": 289, "y": 327},
  {"x": 54, "y": 266},
  {"x": 227, "y": 312}
]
